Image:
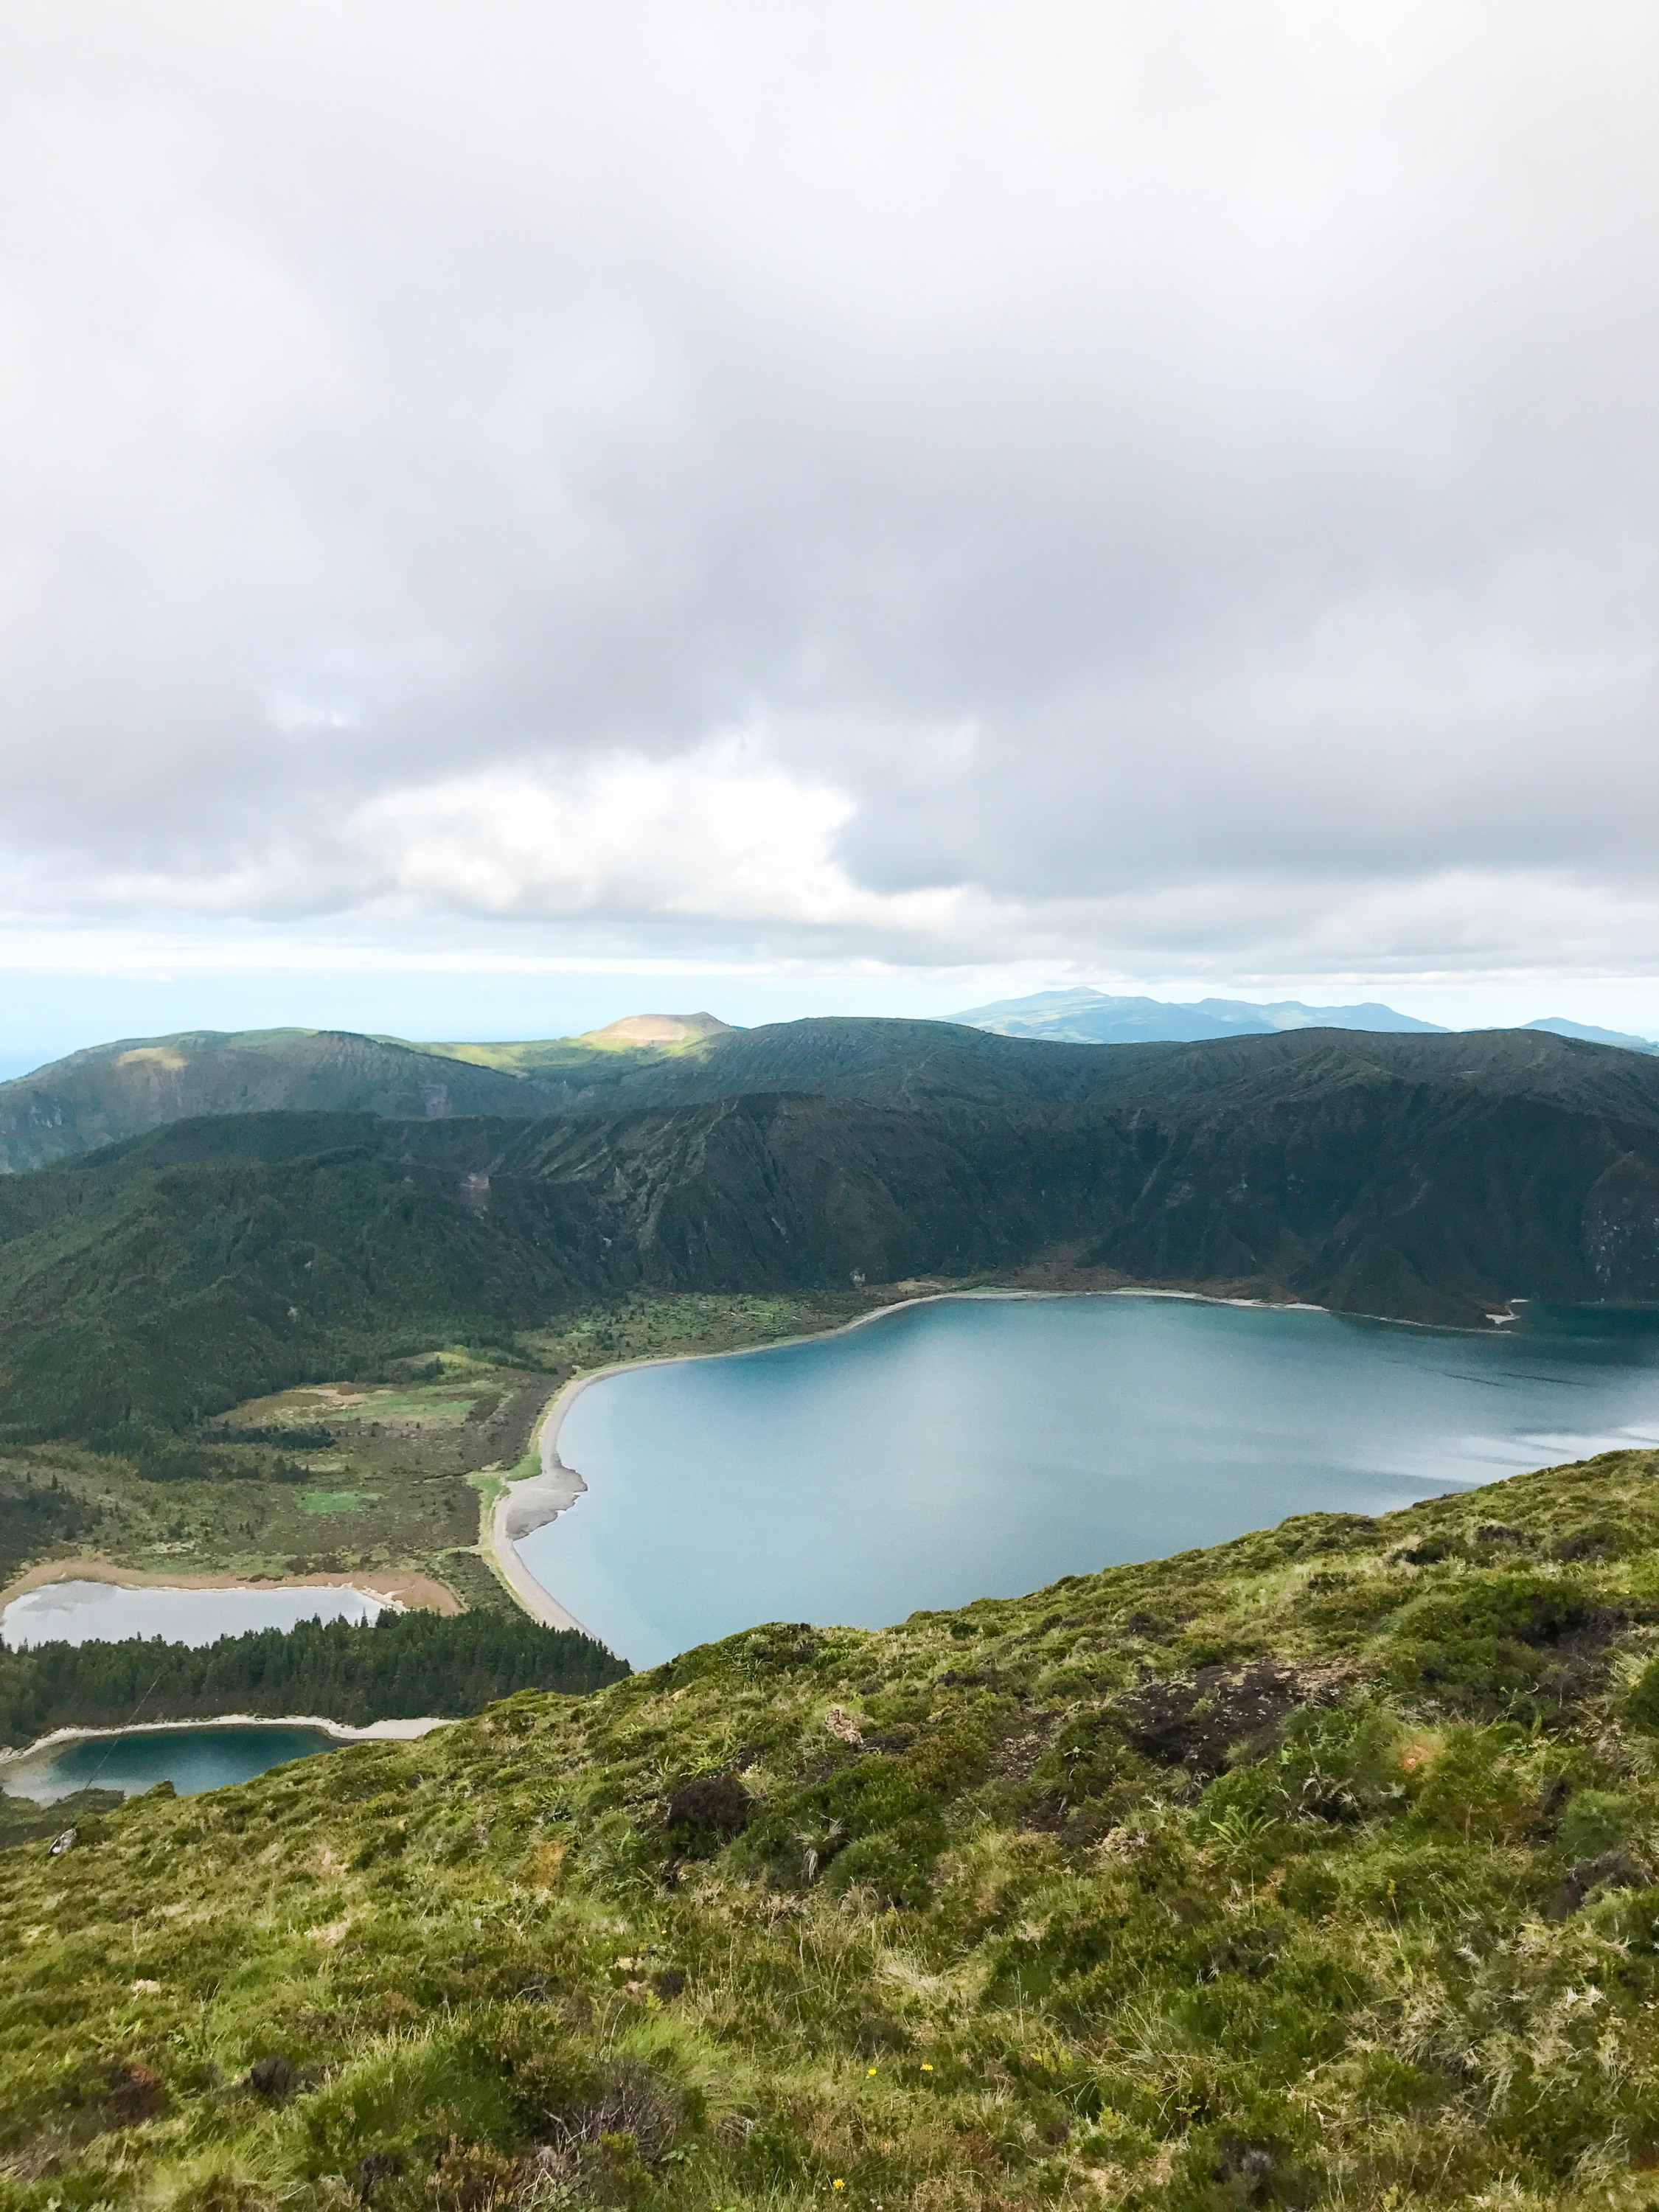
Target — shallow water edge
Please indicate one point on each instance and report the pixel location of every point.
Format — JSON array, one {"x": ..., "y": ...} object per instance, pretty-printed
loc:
[
  {"x": 192, "y": 1756},
  {"x": 373, "y": 1732}
]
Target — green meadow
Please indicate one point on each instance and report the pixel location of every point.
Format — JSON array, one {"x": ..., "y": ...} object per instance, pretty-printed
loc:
[{"x": 1320, "y": 1869}]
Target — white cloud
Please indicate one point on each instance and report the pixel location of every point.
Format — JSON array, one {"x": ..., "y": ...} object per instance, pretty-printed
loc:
[
  {"x": 721, "y": 836},
  {"x": 1171, "y": 488}
]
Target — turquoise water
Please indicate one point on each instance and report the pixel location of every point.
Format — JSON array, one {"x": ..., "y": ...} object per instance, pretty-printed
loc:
[
  {"x": 985, "y": 1447},
  {"x": 191, "y": 1759},
  {"x": 85, "y": 1612}
]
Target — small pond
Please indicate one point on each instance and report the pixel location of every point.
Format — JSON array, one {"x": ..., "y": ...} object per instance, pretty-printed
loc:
[
  {"x": 104, "y": 1613},
  {"x": 206, "y": 1757}
]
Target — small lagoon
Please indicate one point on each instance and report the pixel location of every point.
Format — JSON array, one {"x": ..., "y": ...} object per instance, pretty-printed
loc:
[
  {"x": 211, "y": 1756},
  {"x": 983, "y": 1447}
]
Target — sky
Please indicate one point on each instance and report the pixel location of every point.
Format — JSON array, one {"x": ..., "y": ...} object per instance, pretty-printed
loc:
[{"x": 512, "y": 515}]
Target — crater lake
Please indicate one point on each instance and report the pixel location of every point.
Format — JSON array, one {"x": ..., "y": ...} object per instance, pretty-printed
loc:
[{"x": 983, "y": 1446}]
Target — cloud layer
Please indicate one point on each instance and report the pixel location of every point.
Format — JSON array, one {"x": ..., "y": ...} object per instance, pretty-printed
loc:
[{"x": 1167, "y": 489}]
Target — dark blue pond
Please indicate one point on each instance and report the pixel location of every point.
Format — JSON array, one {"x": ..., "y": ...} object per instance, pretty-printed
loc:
[{"x": 191, "y": 1759}]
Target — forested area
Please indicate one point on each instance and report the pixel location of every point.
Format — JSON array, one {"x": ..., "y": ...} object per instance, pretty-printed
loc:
[
  {"x": 36, "y": 1515},
  {"x": 405, "y": 1666}
]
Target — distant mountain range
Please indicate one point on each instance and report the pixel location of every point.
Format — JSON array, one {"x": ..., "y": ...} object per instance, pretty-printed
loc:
[
  {"x": 1082, "y": 1015},
  {"x": 1023, "y": 1051},
  {"x": 1587, "y": 1033},
  {"x": 1085, "y": 1017}
]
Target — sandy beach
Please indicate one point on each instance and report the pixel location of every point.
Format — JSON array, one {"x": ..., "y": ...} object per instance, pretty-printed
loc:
[{"x": 405, "y": 1591}]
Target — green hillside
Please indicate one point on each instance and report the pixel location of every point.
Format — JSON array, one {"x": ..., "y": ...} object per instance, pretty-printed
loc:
[
  {"x": 212, "y": 1261},
  {"x": 120, "y": 1090},
  {"x": 1315, "y": 1869},
  {"x": 116, "y": 1091}
]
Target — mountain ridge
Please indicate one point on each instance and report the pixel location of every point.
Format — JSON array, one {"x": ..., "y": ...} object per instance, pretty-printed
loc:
[
  {"x": 1423, "y": 1178},
  {"x": 127, "y": 1087},
  {"x": 109, "y": 1092}
]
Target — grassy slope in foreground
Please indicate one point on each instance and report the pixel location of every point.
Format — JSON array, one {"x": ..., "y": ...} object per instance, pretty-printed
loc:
[{"x": 1314, "y": 1869}]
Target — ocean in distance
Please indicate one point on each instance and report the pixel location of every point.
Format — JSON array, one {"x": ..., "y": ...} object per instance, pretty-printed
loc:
[{"x": 981, "y": 1447}]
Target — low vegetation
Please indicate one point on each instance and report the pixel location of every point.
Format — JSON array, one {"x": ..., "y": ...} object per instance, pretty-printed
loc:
[
  {"x": 40, "y": 1515},
  {"x": 1321, "y": 1867},
  {"x": 646, "y": 1326}
]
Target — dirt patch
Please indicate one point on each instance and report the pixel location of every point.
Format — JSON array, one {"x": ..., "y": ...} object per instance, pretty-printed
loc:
[
  {"x": 1196, "y": 1724},
  {"x": 714, "y": 1805}
]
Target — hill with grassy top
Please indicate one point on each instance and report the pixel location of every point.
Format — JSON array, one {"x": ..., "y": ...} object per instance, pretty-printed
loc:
[
  {"x": 1320, "y": 1869},
  {"x": 117, "y": 1091},
  {"x": 113, "y": 1091}
]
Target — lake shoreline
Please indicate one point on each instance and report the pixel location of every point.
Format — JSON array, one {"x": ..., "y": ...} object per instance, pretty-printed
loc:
[
  {"x": 538, "y": 1500},
  {"x": 339, "y": 1730},
  {"x": 1066, "y": 1416},
  {"x": 404, "y": 1589},
  {"x": 393, "y": 1731}
]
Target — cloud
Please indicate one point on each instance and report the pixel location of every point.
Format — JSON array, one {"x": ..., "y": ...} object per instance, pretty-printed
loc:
[
  {"x": 721, "y": 836},
  {"x": 1167, "y": 489}
]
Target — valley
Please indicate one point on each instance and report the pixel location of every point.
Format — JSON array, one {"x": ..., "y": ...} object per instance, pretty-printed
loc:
[{"x": 383, "y": 1478}]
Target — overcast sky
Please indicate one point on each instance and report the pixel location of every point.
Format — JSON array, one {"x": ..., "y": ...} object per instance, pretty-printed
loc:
[{"x": 558, "y": 508}]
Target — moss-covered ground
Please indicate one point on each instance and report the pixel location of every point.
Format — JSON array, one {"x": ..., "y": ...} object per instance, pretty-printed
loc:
[{"x": 1317, "y": 1868}]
